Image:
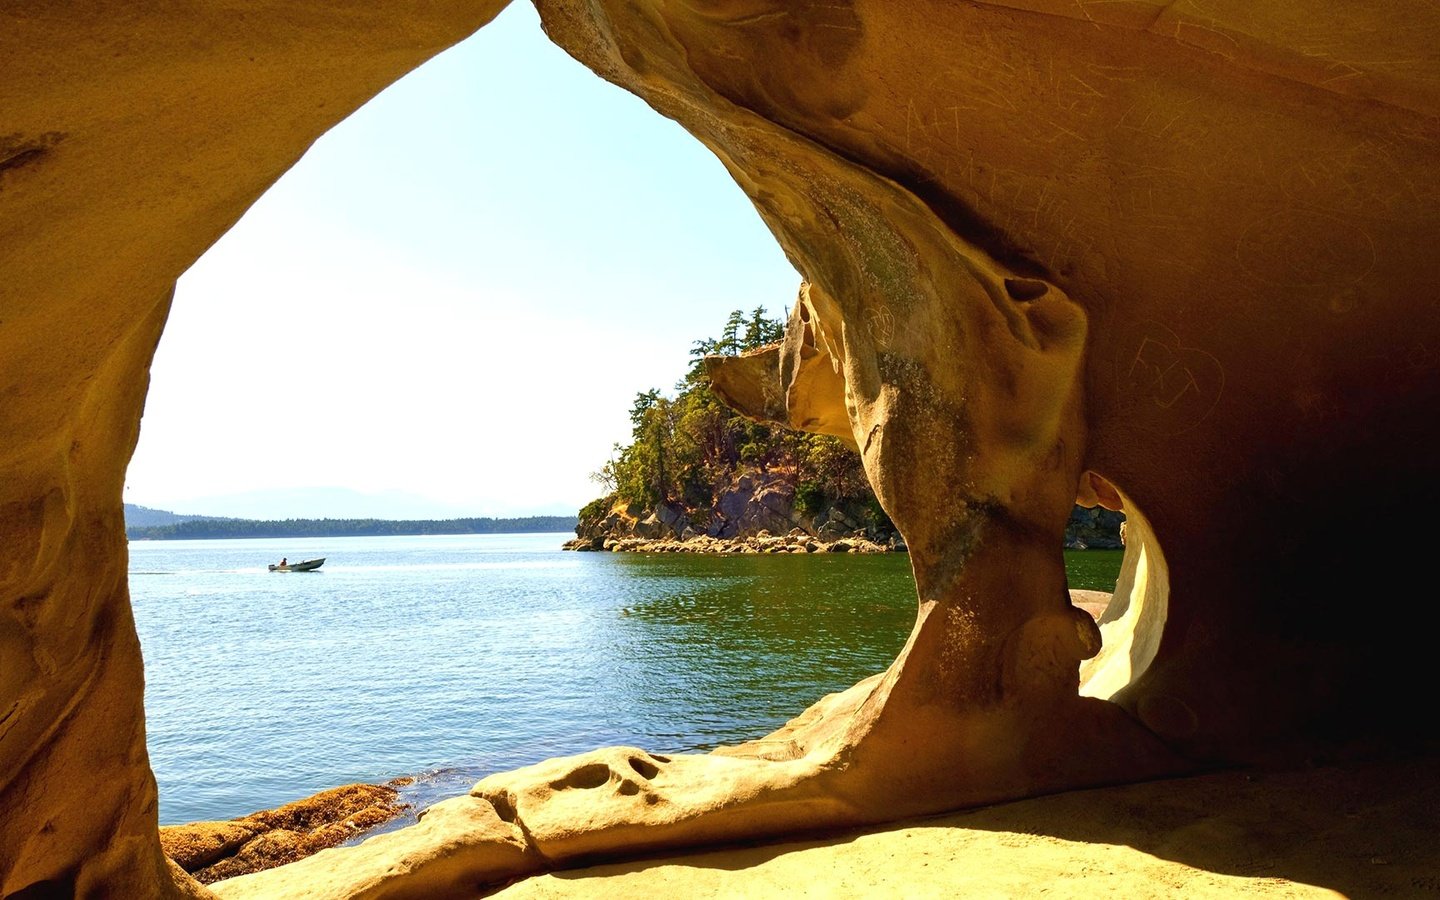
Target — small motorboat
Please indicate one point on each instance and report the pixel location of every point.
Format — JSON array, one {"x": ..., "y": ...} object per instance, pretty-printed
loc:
[{"x": 308, "y": 565}]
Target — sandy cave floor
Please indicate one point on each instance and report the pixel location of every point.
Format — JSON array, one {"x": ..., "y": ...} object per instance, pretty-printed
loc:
[{"x": 1357, "y": 830}]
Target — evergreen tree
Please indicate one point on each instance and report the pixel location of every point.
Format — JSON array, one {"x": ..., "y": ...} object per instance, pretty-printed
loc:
[
  {"x": 761, "y": 330},
  {"x": 729, "y": 343},
  {"x": 687, "y": 449}
]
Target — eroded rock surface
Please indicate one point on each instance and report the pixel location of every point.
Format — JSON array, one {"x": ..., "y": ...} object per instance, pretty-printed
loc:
[
  {"x": 1176, "y": 257},
  {"x": 1218, "y": 837},
  {"x": 456, "y": 848},
  {"x": 1170, "y": 244},
  {"x": 212, "y": 851},
  {"x": 131, "y": 138}
]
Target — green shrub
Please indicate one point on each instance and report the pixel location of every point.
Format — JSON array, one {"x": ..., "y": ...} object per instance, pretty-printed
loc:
[
  {"x": 594, "y": 511},
  {"x": 809, "y": 498}
]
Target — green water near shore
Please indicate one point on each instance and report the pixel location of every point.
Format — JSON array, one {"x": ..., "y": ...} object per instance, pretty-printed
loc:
[
  {"x": 452, "y": 657},
  {"x": 1093, "y": 570}
]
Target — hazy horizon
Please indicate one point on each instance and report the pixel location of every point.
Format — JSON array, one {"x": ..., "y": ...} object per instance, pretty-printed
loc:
[{"x": 334, "y": 502}]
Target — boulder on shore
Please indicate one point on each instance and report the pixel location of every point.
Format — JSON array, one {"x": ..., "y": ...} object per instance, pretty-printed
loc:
[{"x": 211, "y": 851}]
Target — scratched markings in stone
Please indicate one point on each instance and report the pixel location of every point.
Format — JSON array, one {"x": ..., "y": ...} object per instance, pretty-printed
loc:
[
  {"x": 986, "y": 79},
  {"x": 1280, "y": 249},
  {"x": 1372, "y": 177},
  {"x": 1020, "y": 204},
  {"x": 1207, "y": 37},
  {"x": 1165, "y": 386},
  {"x": 949, "y": 140},
  {"x": 880, "y": 323}
]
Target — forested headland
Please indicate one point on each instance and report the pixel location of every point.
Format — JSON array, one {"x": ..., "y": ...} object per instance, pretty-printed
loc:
[{"x": 701, "y": 467}]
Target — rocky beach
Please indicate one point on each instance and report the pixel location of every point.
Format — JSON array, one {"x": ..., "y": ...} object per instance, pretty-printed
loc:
[{"x": 796, "y": 541}]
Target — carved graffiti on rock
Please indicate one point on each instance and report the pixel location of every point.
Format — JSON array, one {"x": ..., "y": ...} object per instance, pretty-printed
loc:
[{"x": 1166, "y": 386}]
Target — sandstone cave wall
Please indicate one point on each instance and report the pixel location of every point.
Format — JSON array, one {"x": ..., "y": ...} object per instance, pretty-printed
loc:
[{"x": 131, "y": 138}]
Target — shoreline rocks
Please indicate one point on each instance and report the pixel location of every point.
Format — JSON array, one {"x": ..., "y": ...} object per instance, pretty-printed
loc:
[
  {"x": 756, "y": 508},
  {"x": 796, "y": 541},
  {"x": 213, "y": 851},
  {"x": 756, "y": 512}
]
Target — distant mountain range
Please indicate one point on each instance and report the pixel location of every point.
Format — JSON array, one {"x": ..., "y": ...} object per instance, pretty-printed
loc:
[
  {"x": 145, "y": 517},
  {"x": 144, "y": 523}
]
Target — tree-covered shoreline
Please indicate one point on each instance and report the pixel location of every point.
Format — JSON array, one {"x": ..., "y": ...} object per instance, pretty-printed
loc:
[
  {"x": 205, "y": 529},
  {"x": 688, "y": 450}
]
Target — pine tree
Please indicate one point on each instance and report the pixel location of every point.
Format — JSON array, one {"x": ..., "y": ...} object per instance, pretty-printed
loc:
[{"x": 729, "y": 343}]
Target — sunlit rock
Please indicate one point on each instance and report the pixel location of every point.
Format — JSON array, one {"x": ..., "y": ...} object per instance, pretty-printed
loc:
[
  {"x": 1185, "y": 249},
  {"x": 212, "y": 851}
]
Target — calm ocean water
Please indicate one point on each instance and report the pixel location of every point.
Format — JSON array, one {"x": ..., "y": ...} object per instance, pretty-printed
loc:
[{"x": 452, "y": 657}]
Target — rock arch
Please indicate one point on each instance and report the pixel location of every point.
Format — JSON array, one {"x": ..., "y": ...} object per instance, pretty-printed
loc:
[{"x": 1189, "y": 246}]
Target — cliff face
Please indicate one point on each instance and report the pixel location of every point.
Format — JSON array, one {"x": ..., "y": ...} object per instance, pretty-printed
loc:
[
  {"x": 1176, "y": 257},
  {"x": 1095, "y": 528},
  {"x": 753, "y": 503}
]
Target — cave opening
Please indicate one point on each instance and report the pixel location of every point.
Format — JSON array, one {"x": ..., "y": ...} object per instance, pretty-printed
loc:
[
  {"x": 1132, "y": 619},
  {"x": 457, "y": 290},
  {"x": 337, "y": 317},
  {"x": 137, "y": 141}
]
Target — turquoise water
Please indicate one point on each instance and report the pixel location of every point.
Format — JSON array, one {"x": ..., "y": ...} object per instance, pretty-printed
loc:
[
  {"x": 449, "y": 657},
  {"x": 455, "y": 656}
]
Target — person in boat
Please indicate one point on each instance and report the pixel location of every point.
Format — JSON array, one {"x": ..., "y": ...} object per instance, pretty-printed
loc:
[{"x": 284, "y": 561}]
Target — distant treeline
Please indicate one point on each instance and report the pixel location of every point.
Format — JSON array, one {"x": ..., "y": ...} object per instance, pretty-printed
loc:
[{"x": 295, "y": 528}]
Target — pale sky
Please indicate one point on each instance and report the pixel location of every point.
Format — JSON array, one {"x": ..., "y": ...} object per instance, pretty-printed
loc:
[{"x": 452, "y": 299}]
